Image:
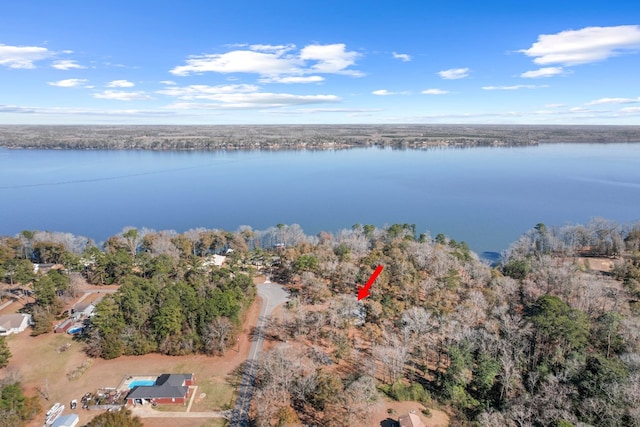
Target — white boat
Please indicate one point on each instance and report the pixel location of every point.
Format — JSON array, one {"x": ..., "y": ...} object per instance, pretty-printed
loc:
[
  {"x": 53, "y": 413},
  {"x": 53, "y": 408}
]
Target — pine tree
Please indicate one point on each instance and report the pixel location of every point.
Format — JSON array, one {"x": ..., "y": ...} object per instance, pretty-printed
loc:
[{"x": 5, "y": 353}]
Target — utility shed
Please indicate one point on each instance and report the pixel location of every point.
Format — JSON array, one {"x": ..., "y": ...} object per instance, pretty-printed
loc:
[
  {"x": 410, "y": 420},
  {"x": 69, "y": 420}
]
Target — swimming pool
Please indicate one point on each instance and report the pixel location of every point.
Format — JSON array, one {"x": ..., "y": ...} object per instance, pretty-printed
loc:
[
  {"x": 142, "y": 383},
  {"x": 75, "y": 330}
]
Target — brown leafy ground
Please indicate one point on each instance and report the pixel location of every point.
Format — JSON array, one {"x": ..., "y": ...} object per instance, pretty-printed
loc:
[
  {"x": 603, "y": 265},
  {"x": 382, "y": 412}
]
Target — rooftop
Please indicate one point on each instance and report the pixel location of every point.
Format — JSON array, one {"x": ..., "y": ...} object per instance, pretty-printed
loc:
[
  {"x": 410, "y": 420},
  {"x": 167, "y": 386}
]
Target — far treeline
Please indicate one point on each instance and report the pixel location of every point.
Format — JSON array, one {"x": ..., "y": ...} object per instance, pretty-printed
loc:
[
  {"x": 550, "y": 336},
  {"x": 313, "y": 137}
]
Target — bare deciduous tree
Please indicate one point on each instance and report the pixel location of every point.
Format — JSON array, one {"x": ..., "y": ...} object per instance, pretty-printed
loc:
[
  {"x": 219, "y": 331},
  {"x": 392, "y": 357}
]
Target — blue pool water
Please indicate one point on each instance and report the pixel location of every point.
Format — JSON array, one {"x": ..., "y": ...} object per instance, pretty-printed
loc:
[
  {"x": 75, "y": 330},
  {"x": 143, "y": 383}
]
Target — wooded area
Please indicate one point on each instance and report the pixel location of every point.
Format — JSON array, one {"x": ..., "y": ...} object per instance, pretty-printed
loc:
[
  {"x": 543, "y": 338},
  {"x": 315, "y": 137}
]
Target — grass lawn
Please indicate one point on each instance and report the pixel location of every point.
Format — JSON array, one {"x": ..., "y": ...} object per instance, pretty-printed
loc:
[
  {"x": 219, "y": 395},
  {"x": 171, "y": 408}
]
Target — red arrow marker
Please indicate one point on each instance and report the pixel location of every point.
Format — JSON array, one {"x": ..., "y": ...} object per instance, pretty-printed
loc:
[{"x": 363, "y": 291}]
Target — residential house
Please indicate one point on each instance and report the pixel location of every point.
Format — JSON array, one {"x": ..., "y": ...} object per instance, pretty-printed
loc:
[
  {"x": 169, "y": 388},
  {"x": 83, "y": 310},
  {"x": 14, "y": 323}
]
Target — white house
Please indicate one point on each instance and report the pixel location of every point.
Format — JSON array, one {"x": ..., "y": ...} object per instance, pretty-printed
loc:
[
  {"x": 14, "y": 323},
  {"x": 216, "y": 260},
  {"x": 83, "y": 310}
]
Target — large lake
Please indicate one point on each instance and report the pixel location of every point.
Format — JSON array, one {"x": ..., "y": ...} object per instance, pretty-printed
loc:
[{"x": 484, "y": 196}]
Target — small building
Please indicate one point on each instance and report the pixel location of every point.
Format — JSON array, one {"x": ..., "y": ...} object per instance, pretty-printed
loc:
[
  {"x": 410, "y": 420},
  {"x": 14, "y": 323},
  {"x": 213, "y": 260},
  {"x": 168, "y": 388},
  {"x": 83, "y": 310},
  {"x": 69, "y": 420},
  {"x": 64, "y": 326},
  {"x": 45, "y": 268}
]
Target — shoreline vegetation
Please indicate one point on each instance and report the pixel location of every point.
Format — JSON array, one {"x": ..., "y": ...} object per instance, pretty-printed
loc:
[
  {"x": 299, "y": 137},
  {"x": 548, "y": 336}
]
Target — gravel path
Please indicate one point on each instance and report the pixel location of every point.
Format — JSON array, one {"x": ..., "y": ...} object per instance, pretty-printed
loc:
[{"x": 272, "y": 295}]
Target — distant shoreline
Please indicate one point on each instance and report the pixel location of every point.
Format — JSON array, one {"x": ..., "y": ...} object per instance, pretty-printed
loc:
[{"x": 302, "y": 137}]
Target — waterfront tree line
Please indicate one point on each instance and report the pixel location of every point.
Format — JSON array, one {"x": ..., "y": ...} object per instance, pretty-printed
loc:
[
  {"x": 548, "y": 336},
  {"x": 295, "y": 137}
]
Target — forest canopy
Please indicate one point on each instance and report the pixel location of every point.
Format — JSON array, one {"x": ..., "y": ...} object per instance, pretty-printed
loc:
[{"x": 548, "y": 336}]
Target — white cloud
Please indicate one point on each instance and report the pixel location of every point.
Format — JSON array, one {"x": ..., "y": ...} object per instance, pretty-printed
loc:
[
  {"x": 402, "y": 56},
  {"x": 590, "y": 44},
  {"x": 275, "y": 61},
  {"x": 543, "y": 72},
  {"x": 22, "y": 56},
  {"x": 240, "y": 61},
  {"x": 630, "y": 110},
  {"x": 330, "y": 58},
  {"x": 237, "y": 96},
  {"x": 65, "y": 111},
  {"x": 68, "y": 83},
  {"x": 279, "y": 49},
  {"x": 602, "y": 101},
  {"x": 434, "y": 92},
  {"x": 514, "y": 87},
  {"x": 122, "y": 96},
  {"x": 168, "y": 82},
  {"x": 292, "y": 79},
  {"x": 67, "y": 64},
  {"x": 454, "y": 73},
  {"x": 205, "y": 91},
  {"x": 554, "y": 105},
  {"x": 253, "y": 100},
  {"x": 325, "y": 110},
  {"x": 120, "y": 83},
  {"x": 384, "y": 92}
]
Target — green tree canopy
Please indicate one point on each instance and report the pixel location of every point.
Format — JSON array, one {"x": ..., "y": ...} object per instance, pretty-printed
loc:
[
  {"x": 15, "y": 407},
  {"x": 122, "y": 418},
  {"x": 559, "y": 329},
  {"x": 5, "y": 352}
]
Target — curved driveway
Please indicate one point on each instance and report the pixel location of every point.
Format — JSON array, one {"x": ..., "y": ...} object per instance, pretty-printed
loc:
[{"x": 272, "y": 295}]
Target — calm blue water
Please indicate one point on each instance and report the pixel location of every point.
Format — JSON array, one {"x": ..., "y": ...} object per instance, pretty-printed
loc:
[{"x": 484, "y": 196}]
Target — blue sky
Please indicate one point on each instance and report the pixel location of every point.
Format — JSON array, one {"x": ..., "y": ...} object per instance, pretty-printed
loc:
[{"x": 282, "y": 61}]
